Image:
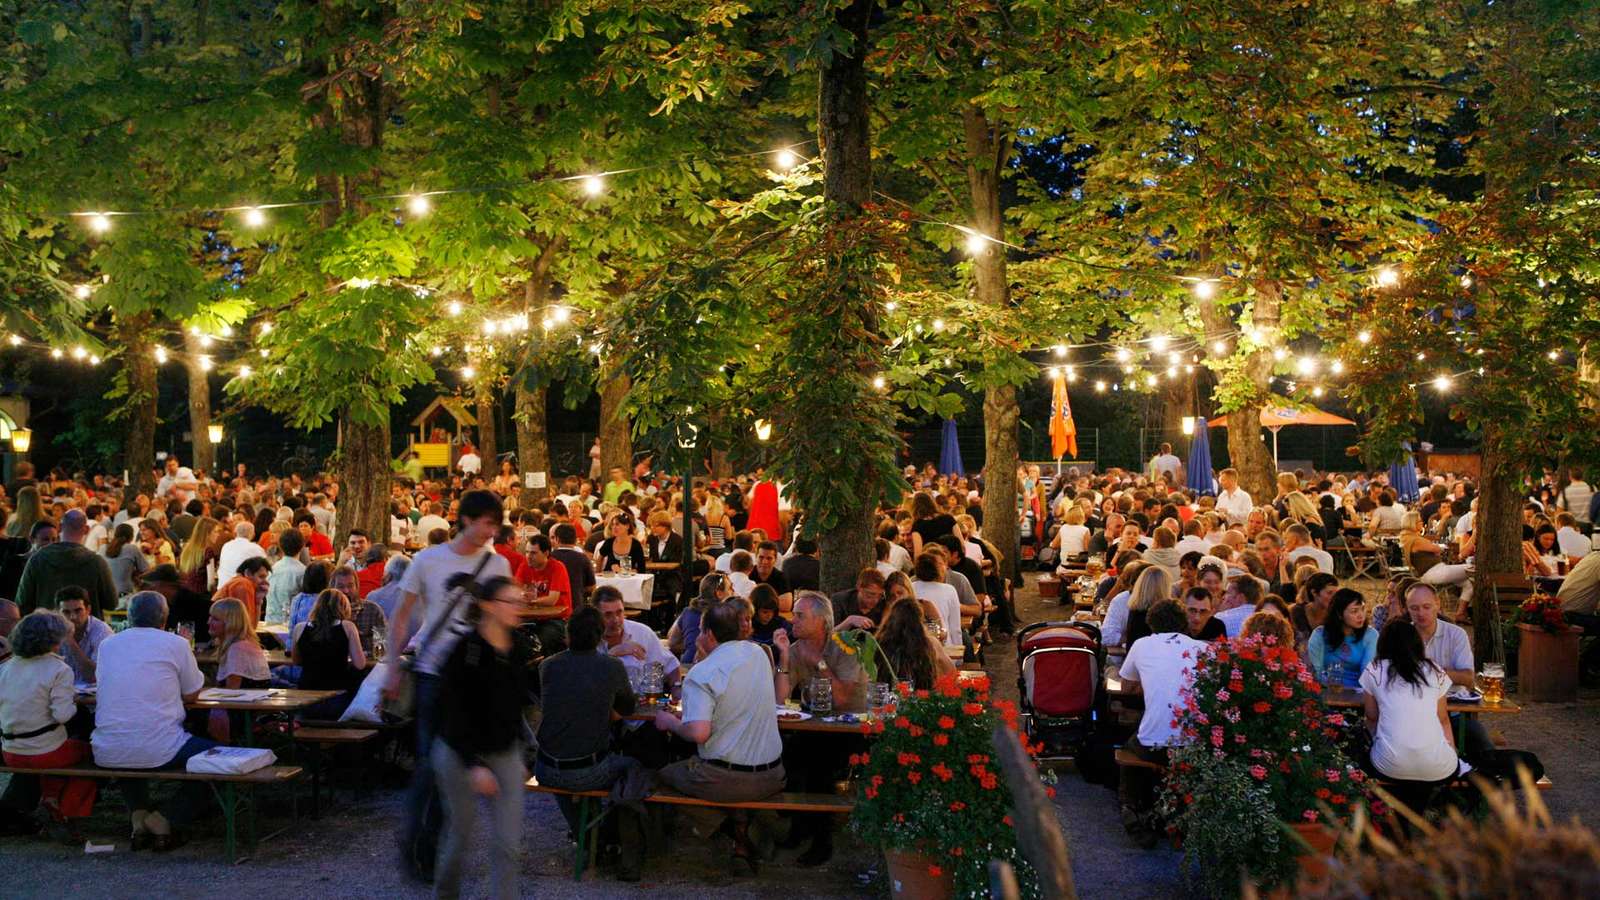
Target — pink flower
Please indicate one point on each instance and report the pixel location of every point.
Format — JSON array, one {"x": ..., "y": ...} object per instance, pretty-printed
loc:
[
  {"x": 1258, "y": 772},
  {"x": 1331, "y": 774},
  {"x": 1222, "y": 696}
]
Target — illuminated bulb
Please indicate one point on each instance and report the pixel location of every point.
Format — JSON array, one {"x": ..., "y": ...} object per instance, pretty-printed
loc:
[
  {"x": 227, "y": 331},
  {"x": 1124, "y": 354},
  {"x": 1150, "y": 380},
  {"x": 1172, "y": 372},
  {"x": 1554, "y": 355},
  {"x": 266, "y": 327},
  {"x": 82, "y": 291},
  {"x": 1219, "y": 347},
  {"x": 1127, "y": 369},
  {"x": 490, "y": 328},
  {"x": 1466, "y": 281},
  {"x": 453, "y": 308},
  {"x": 561, "y": 313},
  {"x": 94, "y": 360},
  {"x": 1205, "y": 290},
  {"x": 1188, "y": 370},
  {"x": 55, "y": 353},
  {"x": 548, "y": 323},
  {"x": 1364, "y": 336},
  {"x": 205, "y": 340},
  {"x": 99, "y": 223},
  {"x": 1388, "y": 277},
  {"x": 419, "y": 204},
  {"x": 205, "y": 363},
  {"x": 891, "y": 306},
  {"x": 595, "y": 349},
  {"x": 244, "y": 371},
  {"x": 1158, "y": 343},
  {"x": 1072, "y": 373},
  {"x": 1060, "y": 351},
  {"x": 593, "y": 185},
  {"x": 1100, "y": 387},
  {"x": 1280, "y": 354},
  {"x": 16, "y": 340},
  {"x": 1055, "y": 372},
  {"x": 880, "y": 383},
  {"x": 1337, "y": 367},
  {"x": 1174, "y": 357},
  {"x": 1541, "y": 280},
  {"x": 976, "y": 243},
  {"x": 1421, "y": 357},
  {"x": 263, "y": 352},
  {"x": 938, "y": 324},
  {"x": 360, "y": 283},
  {"x": 194, "y": 330},
  {"x": 79, "y": 353},
  {"x": 1306, "y": 365},
  {"x": 1316, "y": 391},
  {"x": 785, "y": 159},
  {"x": 254, "y": 217},
  {"x": 469, "y": 372},
  {"x": 1253, "y": 334},
  {"x": 161, "y": 356},
  {"x": 436, "y": 351},
  {"x": 1442, "y": 383}
]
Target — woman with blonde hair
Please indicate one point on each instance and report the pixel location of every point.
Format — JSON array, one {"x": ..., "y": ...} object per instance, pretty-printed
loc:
[
  {"x": 28, "y": 512},
  {"x": 718, "y": 525},
  {"x": 203, "y": 549},
  {"x": 241, "y": 663},
  {"x": 1154, "y": 585}
]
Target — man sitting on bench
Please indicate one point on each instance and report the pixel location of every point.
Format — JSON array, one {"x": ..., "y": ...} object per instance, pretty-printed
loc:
[
  {"x": 727, "y": 711},
  {"x": 1159, "y": 665},
  {"x": 146, "y": 675}
]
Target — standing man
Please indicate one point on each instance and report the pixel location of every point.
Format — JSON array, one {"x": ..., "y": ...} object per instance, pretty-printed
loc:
[
  {"x": 617, "y": 486},
  {"x": 433, "y": 608},
  {"x": 1165, "y": 463},
  {"x": 67, "y": 563},
  {"x": 1232, "y": 501}
]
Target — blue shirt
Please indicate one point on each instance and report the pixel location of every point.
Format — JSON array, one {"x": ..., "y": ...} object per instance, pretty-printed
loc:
[
  {"x": 1342, "y": 667},
  {"x": 299, "y": 611}
]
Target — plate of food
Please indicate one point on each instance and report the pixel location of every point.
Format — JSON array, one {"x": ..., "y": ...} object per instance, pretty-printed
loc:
[
  {"x": 1463, "y": 694},
  {"x": 785, "y": 714}
]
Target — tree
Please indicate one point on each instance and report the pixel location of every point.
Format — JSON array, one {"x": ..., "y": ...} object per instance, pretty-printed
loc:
[{"x": 1497, "y": 306}]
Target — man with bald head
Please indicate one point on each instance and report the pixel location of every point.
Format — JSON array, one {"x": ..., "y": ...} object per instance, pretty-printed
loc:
[{"x": 67, "y": 563}]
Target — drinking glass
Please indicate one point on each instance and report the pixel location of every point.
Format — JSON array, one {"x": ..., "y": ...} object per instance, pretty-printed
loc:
[
  {"x": 186, "y": 631},
  {"x": 820, "y": 690},
  {"x": 651, "y": 683},
  {"x": 1492, "y": 682},
  {"x": 878, "y": 695}
]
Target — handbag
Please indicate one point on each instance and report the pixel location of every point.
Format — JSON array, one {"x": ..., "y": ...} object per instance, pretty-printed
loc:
[
  {"x": 403, "y": 704},
  {"x": 230, "y": 760}
]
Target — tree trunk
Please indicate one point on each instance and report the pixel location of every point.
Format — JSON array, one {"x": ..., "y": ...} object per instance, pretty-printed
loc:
[
  {"x": 616, "y": 435},
  {"x": 721, "y": 466},
  {"x": 846, "y": 141},
  {"x": 533, "y": 438},
  {"x": 487, "y": 412},
  {"x": 1497, "y": 527},
  {"x": 1247, "y": 452},
  {"x": 139, "y": 448},
  {"x": 199, "y": 405},
  {"x": 364, "y": 478},
  {"x": 987, "y": 149}
]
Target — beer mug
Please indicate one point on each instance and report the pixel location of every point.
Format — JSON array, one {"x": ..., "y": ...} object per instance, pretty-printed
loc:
[
  {"x": 820, "y": 693},
  {"x": 1492, "y": 682},
  {"x": 652, "y": 683}
]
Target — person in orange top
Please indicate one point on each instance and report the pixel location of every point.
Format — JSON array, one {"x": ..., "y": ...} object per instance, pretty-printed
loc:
[
  {"x": 548, "y": 591},
  {"x": 248, "y": 587}
]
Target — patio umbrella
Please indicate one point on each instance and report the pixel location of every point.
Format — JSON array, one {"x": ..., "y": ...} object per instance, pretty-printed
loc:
[
  {"x": 1403, "y": 477},
  {"x": 1274, "y": 418},
  {"x": 1199, "y": 471},
  {"x": 950, "y": 451}
]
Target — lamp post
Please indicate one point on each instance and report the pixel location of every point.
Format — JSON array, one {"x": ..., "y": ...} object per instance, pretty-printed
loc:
[
  {"x": 214, "y": 433},
  {"x": 21, "y": 440}
]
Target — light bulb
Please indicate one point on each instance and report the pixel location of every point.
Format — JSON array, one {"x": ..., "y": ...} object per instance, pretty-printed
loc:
[
  {"x": 1060, "y": 351},
  {"x": 227, "y": 330},
  {"x": 1280, "y": 354},
  {"x": 161, "y": 356},
  {"x": 436, "y": 351},
  {"x": 1054, "y": 372},
  {"x": 453, "y": 308},
  {"x": 1205, "y": 289},
  {"x": 1150, "y": 380},
  {"x": 938, "y": 324},
  {"x": 79, "y": 353},
  {"x": 880, "y": 382},
  {"x": 16, "y": 340},
  {"x": 891, "y": 306},
  {"x": 1174, "y": 357},
  {"x": 1219, "y": 347},
  {"x": 593, "y": 185},
  {"x": 264, "y": 353},
  {"x": 489, "y": 327},
  {"x": 1388, "y": 277},
  {"x": 254, "y": 217},
  {"x": 1158, "y": 343},
  {"x": 1124, "y": 354},
  {"x": 205, "y": 363},
  {"x": 548, "y": 323},
  {"x": 976, "y": 243},
  {"x": 1172, "y": 372},
  {"x": 1072, "y": 373},
  {"x": 205, "y": 340},
  {"x": 1337, "y": 367},
  {"x": 1442, "y": 383},
  {"x": 244, "y": 371},
  {"x": 55, "y": 353},
  {"x": 560, "y": 313},
  {"x": 82, "y": 291},
  {"x": 469, "y": 372},
  {"x": 785, "y": 159},
  {"x": 419, "y": 204},
  {"x": 1100, "y": 387},
  {"x": 1421, "y": 357},
  {"x": 1306, "y": 365},
  {"x": 99, "y": 223},
  {"x": 1364, "y": 336},
  {"x": 1188, "y": 370},
  {"x": 1554, "y": 355},
  {"x": 1466, "y": 281},
  {"x": 266, "y": 327}
]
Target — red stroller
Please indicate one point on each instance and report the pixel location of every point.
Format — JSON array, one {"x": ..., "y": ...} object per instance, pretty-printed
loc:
[{"x": 1058, "y": 679}]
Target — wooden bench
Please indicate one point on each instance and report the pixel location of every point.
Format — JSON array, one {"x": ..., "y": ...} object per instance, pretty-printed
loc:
[
  {"x": 225, "y": 787},
  {"x": 321, "y": 737},
  {"x": 588, "y": 820}
]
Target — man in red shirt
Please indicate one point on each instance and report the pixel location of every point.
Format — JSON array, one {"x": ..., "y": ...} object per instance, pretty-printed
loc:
[
  {"x": 549, "y": 593},
  {"x": 505, "y": 545}
]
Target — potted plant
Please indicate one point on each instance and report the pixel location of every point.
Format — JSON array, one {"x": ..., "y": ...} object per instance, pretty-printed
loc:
[
  {"x": 1547, "y": 651},
  {"x": 1261, "y": 783},
  {"x": 930, "y": 793}
]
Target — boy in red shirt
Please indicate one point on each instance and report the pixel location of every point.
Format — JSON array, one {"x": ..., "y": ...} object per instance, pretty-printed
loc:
[{"x": 549, "y": 594}]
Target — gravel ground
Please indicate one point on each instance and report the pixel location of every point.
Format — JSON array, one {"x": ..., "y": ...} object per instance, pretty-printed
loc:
[{"x": 349, "y": 853}]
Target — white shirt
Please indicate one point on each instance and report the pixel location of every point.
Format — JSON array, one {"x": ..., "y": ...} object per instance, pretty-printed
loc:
[
  {"x": 654, "y": 650},
  {"x": 1161, "y": 664},
  {"x": 1388, "y": 518},
  {"x": 1571, "y": 542},
  {"x": 1464, "y": 524},
  {"x": 94, "y": 634},
  {"x": 429, "y": 522},
  {"x": 1236, "y": 505},
  {"x": 900, "y": 557},
  {"x": 741, "y": 583},
  {"x": 138, "y": 716},
  {"x": 1409, "y": 744},
  {"x": 1166, "y": 463},
  {"x": 1074, "y": 539},
  {"x": 887, "y": 568},
  {"x": 97, "y": 538},
  {"x": 233, "y": 553},
  {"x": 470, "y": 463},
  {"x": 1192, "y": 543},
  {"x": 1324, "y": 558},
  {"x": 1233, "y": 619},
  {"x": 34, "y": 693},
  {"x": 426, "y": 577},
  {"x": 945, "y": 599},
  {"x": 732, "y": 689}
]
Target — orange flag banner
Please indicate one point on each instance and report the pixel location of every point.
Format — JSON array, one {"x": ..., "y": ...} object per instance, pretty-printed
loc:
[{"x": 1063, "y": 431}]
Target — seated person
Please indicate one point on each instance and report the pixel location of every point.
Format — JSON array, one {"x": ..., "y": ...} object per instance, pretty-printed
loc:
[
  {"x": 327, "y": 648},
  {"x": 930, "y": 585},
  {"x": 1403, "y": 695},
  {"x": 728, "y": 715},
  {"x": 241, "y": 663},
  {"x": 186, "y": 607},
  {"x": 1269, "y": 622},
  {"x": 1203, "y": 626},
  {"x": 367, "y": 617},
  {"x": 313, "y": 581},
  {"x": 632, "y": 642},
  {"x": 1158, "y": 666},
  {"x": 37, "y": 700},
  {"x": 681, "y": 638},
  {"x": 1342, "y": 646},
  {"x": 82, "y": 645},
  {"x": 1153, "y": 585},
  {"x": 768, "y": 619},
  {"x": 548, "y": 593},
  {"x": 146, "y": 675},
  {"x": 1580, "y": 603},
  {"x": 912, "y": 652},
  {"x": 249, "y": 586},
  {"x": 865, "y": 599}
]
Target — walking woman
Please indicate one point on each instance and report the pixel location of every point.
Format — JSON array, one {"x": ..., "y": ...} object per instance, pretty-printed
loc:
[{"x": 478, "y": 750}]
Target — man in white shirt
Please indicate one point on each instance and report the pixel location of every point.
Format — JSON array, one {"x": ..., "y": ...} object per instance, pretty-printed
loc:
[
  {"x": 1576, "y": 497},
  {"x": 632, "y": 642},
  {"x": 470, "y": 463},
  {"x": 727, "y": 713},
  {"x": 236, "y": 551},
  {"x": 1465, "y": 523},
  {"x": 99, "y": 535},
  {"x": 433, "y": 519},
  {"x": 1193, "y": 540},
  {"x": 740, "y": 565},
  {"x": 1232, "y": 501},
  {"x": 1569, "y": 538},
  {"x": 1297, "y": 543},
  {"x": 930, "y": 585},
  {"x": 146, "y": 675},
  {"x": 1157, "y": 666},
  {"x": 1165, "y": 463},
  {"x": 433, "y": 608}
]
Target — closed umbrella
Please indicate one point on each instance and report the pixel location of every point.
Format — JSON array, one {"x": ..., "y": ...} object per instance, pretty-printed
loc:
[
  {"x": 1403, "y": 478},
  {"x": 950, "y": 451},
  {"x": 1199, "y": 471}
]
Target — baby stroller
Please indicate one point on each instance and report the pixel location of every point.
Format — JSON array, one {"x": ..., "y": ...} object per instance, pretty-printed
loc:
[{"x": 1058, "y": 678}]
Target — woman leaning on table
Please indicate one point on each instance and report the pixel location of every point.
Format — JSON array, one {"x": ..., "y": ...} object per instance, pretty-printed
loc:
[{"x": 478, "y": 750}]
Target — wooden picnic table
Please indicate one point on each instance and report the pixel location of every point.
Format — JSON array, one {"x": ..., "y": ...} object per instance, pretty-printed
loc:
[
  {"x": 813, "y": 724},
  {"x": 275, "y": 657},
  {"x": 278, "y": 700}
]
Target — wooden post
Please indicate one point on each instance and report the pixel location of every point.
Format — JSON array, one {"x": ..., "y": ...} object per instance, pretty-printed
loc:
[{"x": 1039, "y": 834}]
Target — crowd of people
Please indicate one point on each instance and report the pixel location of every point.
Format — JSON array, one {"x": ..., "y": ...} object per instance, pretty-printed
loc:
[{"x": 501, "y": 597}]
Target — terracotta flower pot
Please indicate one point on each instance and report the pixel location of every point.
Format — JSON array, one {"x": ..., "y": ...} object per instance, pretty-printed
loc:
[
  {"x": 1547, "y": 664},
  {"x": 911, "y": 878},
  {"x": 1049, "y": 588},
  {"x": 1314, "y": 869}
]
